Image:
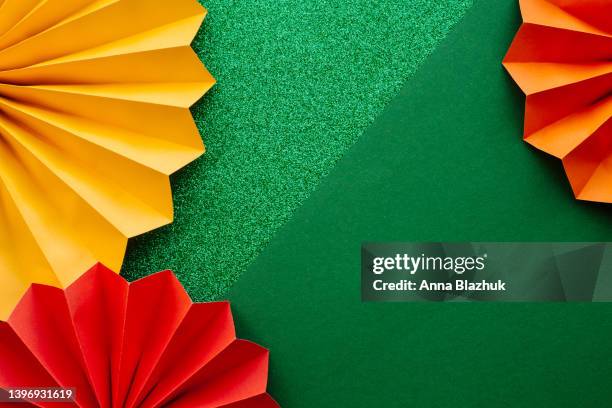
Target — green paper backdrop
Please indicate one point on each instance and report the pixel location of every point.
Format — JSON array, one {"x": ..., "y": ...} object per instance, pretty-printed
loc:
[
  {"x": 444, "y": 162},
  {"x": 298, "y": 84}
]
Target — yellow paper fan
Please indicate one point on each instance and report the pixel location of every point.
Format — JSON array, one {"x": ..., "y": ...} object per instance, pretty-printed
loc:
[{"x": 94, "y": 117}]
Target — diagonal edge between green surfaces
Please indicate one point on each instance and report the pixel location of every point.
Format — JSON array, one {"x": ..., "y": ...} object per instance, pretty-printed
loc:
[{"x": 297, "y": 84}]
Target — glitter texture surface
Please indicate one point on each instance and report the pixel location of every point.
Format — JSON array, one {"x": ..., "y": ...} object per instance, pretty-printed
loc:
[{"x": 298, "y": 82}]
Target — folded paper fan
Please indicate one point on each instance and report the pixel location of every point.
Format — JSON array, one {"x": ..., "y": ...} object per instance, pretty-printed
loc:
[
  {"x": 94, "y": 117},
  {"x": 143, "y": 344},
  {"x": 562, "y": 59}
]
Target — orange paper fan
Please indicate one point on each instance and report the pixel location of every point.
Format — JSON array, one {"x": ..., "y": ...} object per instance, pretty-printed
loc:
[
  {"x": 94, "y": 117},
  {"x": 562, "y": 59},
  {"x": 143, "y": 344}
]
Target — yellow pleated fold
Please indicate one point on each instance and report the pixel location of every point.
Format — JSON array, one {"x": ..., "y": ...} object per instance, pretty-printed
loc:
[{"x": 94, "y": 117}]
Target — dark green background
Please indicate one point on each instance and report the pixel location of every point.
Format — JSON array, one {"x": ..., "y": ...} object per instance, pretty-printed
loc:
[{"x": 444, "y": 162}]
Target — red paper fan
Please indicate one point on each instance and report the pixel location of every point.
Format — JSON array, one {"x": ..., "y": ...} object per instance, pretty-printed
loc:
[
  {"x": 143, "y": 344},
  {"x": 562, "y": 59}
]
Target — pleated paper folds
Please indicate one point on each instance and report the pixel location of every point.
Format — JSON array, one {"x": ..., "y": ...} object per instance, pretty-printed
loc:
[
  {"x": 139, "y": 345},
  {"x": 562, "y": 59},
  {"x": 94, "y": 117}
]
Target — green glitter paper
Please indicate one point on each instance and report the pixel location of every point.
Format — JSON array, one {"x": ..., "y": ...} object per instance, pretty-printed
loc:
[{"x": 298, "y": 82}]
